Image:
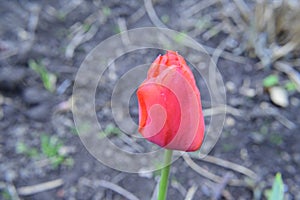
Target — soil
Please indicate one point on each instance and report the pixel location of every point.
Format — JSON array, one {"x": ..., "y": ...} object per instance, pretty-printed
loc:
[{"x": 264, "y": 138}]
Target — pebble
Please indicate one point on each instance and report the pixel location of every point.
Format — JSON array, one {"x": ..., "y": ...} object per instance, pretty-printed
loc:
[
  {"x": 8, "y": 111},
  {"x": 279, "y": 96},
  {"x": 39, "y": 113},
  {"x": 248, "y": 92},
  {"x": 35, "y": 95},
  {"x": 296, "y": 158},
  {"x": 11, "y": 78},
  {"x": 230, "y": 86},
  {"x": 257, "y": 138},
  {"x": 286, "y": 156},
  {"x": 236, "y": 102},
  {"x": 230, "y": 121}
]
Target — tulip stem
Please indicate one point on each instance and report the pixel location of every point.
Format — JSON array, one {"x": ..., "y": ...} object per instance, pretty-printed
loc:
[{"x": 163, "y": 185}]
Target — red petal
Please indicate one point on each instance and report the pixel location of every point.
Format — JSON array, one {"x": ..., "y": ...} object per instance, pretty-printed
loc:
[{"x": 160, "y": 113}]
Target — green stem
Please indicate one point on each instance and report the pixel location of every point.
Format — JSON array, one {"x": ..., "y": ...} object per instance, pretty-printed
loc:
[{"x": 163, "y": 185}]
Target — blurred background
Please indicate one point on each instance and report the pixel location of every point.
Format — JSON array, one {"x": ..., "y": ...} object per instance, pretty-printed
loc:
[{"x": 255, "y": 45}]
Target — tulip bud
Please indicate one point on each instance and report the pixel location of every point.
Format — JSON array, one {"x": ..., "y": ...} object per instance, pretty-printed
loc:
[{"x": 170, "y": 110}]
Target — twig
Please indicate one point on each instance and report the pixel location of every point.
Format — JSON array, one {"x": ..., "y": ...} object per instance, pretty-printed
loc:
[
  {"x": 271, "y": 112},
  {"x": 233, "y": 19},
  {"x": 191, "y": 192},
  {"x": 291, "y": 72},
  {"x": 230, "y": 56},
  {"x": 221, "y": 186},
  {"x": 227, "y": 195},
  {"x": 82, "y": 35},
  {"x": 33, "y": 189},
  {"x": 123, "y": 28},
  {"x": 202, "y": 25},
  {"x": 230, "y": 165},
  {"x": 131, "y": 143},
  {"x": 213, "y": 31},
  {"x": 12, "y": 191},
  {"x": 212, "y": 69},
  {"x": 205, "y": 173},
  {"x": 155, "y": 192},
  {"x": 72, "y": 5},
  {"x": 227, "y": 164},
  {"x": 296, "y": 62},
  {"x": 187, "y": 13},
  {"x": 179, "y": 187},
  {"x": 224, "y": 109},
  {"x": 137, "y": 15},
  {"x": 109, "y": 185},
  {"x": 244, "y": 9},
  {"x": 31, "y": 26},
  {"x": 152, "y": 14},
  {"x": 224, "y": 54}
]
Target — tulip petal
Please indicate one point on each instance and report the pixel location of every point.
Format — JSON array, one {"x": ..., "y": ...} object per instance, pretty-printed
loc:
[{"x": 158, "y": 123}]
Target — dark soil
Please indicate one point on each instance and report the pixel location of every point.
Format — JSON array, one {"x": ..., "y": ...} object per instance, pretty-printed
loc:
[{"x": 257, "y": 139}]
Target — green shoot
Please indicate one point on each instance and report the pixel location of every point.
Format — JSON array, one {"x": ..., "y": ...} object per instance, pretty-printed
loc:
[
  {"x": 50, "y": 147},
  {"x": 290, "y": 86},
  {"x": 22, "y": 148},
  {"x": 270, "y": 81},
  {"x": 277, "y": 192},
  {"x": 106, "y": 11},
  {"x": 49, "y": 79},
  {"x": 110, "y": 130}
]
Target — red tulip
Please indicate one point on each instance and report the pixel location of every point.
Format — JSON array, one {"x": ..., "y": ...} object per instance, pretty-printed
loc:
[{"x": 170, "y": 111}]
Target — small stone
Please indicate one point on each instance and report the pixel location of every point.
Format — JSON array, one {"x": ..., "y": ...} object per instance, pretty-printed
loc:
[
  {"x": 257, "y": 138},
  {"x": 230, "y": 86},
  {"x": 286, "y": 157},
  {"x": 279, "y": 96},
  {"x": 8, "y": 111},
  {"x": 291, "y": 169},
  {"x": 230, "y": 121},
  {"x": 39, "y": 113},
  {"x": 11, "y": 77},
  {"x": 35, "y": 95},
  {"x": 244, "y": 153},
  {"x": 236, "y": 102},
  {"x": 248, "y": 92},
  {"x": 296, "y": 158}
]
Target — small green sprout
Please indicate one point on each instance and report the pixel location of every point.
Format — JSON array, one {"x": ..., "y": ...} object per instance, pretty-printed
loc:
[
  {"x": 110, "y": 130},
  {"x": 106, "y": 11},
  {"x": 22, "y": 148},
  {"x": 277, "y": 191},
  {"x": 49, "y": 79},
  {"x": 270, "y": 81},
  {"x": 50, "y": 147},
  {"x": 290, "y": 86}
]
